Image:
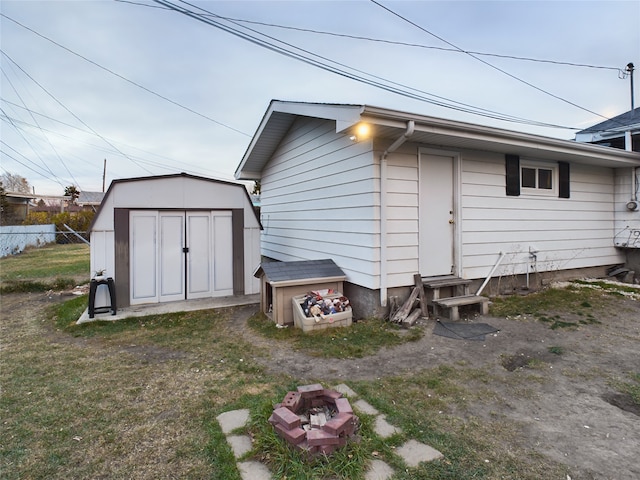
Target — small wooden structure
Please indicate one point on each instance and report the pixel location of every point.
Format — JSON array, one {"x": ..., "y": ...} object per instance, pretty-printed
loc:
[
  {"x": 428, "y": 292},
  {"x": 280, "y": 281}
]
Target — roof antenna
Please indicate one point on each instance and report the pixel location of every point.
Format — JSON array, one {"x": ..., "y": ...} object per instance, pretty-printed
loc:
[{"x": 630, "y": 69}]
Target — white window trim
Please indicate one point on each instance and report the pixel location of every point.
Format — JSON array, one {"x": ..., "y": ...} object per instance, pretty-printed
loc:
[{"x": 553, "y": 191}]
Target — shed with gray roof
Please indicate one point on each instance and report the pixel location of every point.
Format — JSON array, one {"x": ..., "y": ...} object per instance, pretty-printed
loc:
[{"x": 280, "y": 281}]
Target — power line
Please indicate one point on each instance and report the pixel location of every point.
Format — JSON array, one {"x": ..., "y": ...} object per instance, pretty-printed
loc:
[
  {"x": 487, "y": 63},
  {"x": 418, "y": 45},
  {"x": 315, "y": 60},
  {"x": 73, "y": 114},
  {"x": 43, "y": 134},
  {"x": 175, "y": 165},
  {"x": 394, "y": 42},
  {"x": 11, "y": 122},
  {"x": 126, "y": 79},
  {"x": 25, "y": 165}
]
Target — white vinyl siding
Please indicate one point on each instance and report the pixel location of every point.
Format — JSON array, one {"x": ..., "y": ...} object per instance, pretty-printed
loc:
[
  {"x": 566, "y": 233},
  {"x": 627, "y": 222},
  {"x": 319, "y": 200},
  {"x": 402, "y": 215}
]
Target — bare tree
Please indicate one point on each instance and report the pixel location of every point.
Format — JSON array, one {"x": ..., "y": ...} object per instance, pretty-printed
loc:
[{"x": 15, "y": 183}]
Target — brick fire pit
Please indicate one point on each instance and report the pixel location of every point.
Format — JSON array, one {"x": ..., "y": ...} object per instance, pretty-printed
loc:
[{"x": 314, "y": 419}]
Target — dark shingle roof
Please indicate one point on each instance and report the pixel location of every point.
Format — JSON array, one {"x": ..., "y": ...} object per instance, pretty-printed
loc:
[
  {"x": 627, "y": 119},
  {"x": 300, "y": 270}
]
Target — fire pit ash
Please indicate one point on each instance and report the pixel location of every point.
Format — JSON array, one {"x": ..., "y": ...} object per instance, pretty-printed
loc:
[{"x": 314, "y": 419}]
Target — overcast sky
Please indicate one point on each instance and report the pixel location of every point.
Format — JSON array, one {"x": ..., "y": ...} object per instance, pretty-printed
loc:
[{"x": 63, "y": 114}]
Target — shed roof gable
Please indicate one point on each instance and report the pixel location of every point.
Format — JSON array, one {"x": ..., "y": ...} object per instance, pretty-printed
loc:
[{"x": 115, "y": 183}]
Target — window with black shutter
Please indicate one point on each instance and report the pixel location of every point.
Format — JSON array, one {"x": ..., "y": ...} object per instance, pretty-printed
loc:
[{"x": 531, "y": 177}]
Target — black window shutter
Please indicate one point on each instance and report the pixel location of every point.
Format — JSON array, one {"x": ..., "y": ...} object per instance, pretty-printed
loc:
[
  {"x": 563, "y": 180},
  {"x": 512, "y": 163}
]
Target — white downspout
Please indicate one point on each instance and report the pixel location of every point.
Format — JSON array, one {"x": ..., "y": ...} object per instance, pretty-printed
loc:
[{"x": 383, "y": 208}]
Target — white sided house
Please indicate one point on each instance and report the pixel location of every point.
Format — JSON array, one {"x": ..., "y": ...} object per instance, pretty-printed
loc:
[
  {"x": 176, "y": 237},
  {"x": 389, "y": 194}
]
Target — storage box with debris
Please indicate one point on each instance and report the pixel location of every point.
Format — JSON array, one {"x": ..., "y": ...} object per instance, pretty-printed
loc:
[
  {"x": 320, "y": 320},
  {"x": 280, "y": 281}
]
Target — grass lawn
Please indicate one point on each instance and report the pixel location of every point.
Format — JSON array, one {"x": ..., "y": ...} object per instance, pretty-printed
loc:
[
  {"x": 138, "y": 398},
  {"x": 52, "y": 266}
]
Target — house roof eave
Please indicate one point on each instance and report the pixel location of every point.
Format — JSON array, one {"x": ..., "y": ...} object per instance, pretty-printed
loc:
[
  {"x": 433, "y": 131},
  {"x": 276, "y": 122}
]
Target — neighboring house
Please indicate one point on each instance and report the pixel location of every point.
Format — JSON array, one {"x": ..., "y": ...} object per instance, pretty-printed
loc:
[
  {"x": 176, "y": 237},
  {"x": 615, "y": 132},
  {"x": 90, "y": 200},
  {"x": 18, "y": 207},
  {"x": 419, "y": 194}
]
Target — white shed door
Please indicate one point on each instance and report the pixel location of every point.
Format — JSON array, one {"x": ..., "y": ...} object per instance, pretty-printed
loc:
[
  {"x": 199, "y": 255},
  {"x": 437, "y": 215},
  {"x": 171, "y": 256},
  {"x": 180, "y": 255},
  {"x": 143, "y": 227}
]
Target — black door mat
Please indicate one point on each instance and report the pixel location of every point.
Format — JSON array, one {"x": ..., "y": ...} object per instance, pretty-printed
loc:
[{"x": 463, "y": 331}]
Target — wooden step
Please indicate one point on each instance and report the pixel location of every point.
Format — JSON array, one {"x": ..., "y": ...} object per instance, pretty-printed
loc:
[
  {"x": 452, "y": 303},
  {"x": 444, "y": 281}
]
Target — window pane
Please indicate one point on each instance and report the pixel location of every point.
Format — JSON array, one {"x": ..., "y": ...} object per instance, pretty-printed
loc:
[
  {"x": 529, "y": 177},
  {"x": 544, "y": 178}
]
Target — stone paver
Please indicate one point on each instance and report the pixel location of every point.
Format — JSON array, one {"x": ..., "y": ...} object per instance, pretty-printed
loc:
[
  {"x": 414, "y": 452},
  {"x": 229, "y": 421},
  {"x": 345, "y": 390},
  {"x": 378, "y": 470},
  {"x": 383, "y": 428},
  {"x": 254, "y": 471},
  {"x": 365, "y": 407},
  {"x": 240, "y": 444}
]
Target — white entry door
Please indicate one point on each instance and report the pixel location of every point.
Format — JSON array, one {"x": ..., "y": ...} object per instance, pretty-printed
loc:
[
  {"x": 180, "y": 255},
  {"x": 437, "y": 214}
]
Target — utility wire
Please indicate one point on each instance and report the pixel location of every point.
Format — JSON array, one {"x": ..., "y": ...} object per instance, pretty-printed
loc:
[
  {"x": 172, "y": 166},
  {"x": 73, "y": 114},
  {"x": 26, "y": 140},
  {"x": 43, "y": 175},
  {"x": 394, "y": 42},
  {"x": 487, "y": 63},
  {"x": 417, "y": 45},
  {"x": 126, "y": 79},
  {"x": 43, "y": 134},
  {"x": 416, "y": 94}
]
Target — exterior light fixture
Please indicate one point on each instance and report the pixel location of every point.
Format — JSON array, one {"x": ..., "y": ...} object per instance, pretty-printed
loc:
[{"x": 362, "y": 131}]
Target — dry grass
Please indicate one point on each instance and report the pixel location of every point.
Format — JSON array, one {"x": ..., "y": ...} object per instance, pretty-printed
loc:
[
  {"x": 138, "y": 399},
  {"x": 52, "y": 266}
]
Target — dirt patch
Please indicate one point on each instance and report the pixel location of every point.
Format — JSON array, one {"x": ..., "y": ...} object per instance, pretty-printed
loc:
[
  {"x": 553, "y": 385},
  {"x": 528, "y": 359}
]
